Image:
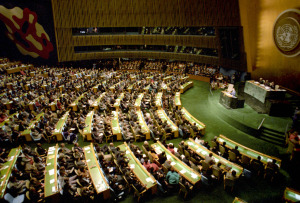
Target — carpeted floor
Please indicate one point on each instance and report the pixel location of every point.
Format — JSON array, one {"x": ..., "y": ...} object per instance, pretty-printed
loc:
[{"x": 204, "y": 105}]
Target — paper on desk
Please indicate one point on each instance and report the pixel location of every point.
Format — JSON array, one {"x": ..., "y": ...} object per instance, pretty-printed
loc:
[
  {"x": 88, "y": 152},
  {"x": 194, "y": 175},
  {"x": 175, "y": 149},
  {"x": 51, "y": 172},
  {"x": 52, "y": 181},
  {"x": 51, "y": 157},
  {"x": 168, "y": 156},
  {"x": 190, "y": 143},
  {"x": 127, "y": 152},
  {"x": 88, "y": 160},
  {"x": 183, "y": 171},
  {"x": 198, "y": 150},
  {"x": 132, "y": 166},
  {"x": 53, "y": 189},
  {"x": 50, "y": 152},
  {"x": 87, "y": 148},
  {"x": 4, "y": 167},
  {"x": 48, "y": 164},
  {"x": 204, "y": 152},
  {"x": 173, "y": 163},
  {"x": 149, "y": 180}
]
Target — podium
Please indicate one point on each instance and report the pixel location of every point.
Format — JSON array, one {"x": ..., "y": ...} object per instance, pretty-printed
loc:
[{"x": 230, "y": 102}]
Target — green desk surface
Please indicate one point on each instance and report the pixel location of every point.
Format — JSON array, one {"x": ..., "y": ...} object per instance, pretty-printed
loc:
[
  {"x": 141, "y": 173},
  {"x": 180, "y": 167},
  {"x": 185, "y": 85},
  {"x": 238, "y": 200},
  {"x": 158, "y": 97},
  {"x": 177, "y": 99},
  {"x": 7, "y": 119},
  {"x": 77, "y": 100},
  {"x": 162, "y": 115},
  {"x": 6, "y": 169},
  {"x": 185, "y": 78},
  {"x": 32, "y": 123},
  {"x": 146, "y": 88},
  {"x": 247, "y": 151},
  {"x": 96, "y": 103},
  {"x": 139, "y": 100},
  {"x": 142, "y": 122},
  {"x": 88, "y": 122},
  {"x": 61, "y": 123},
  {"x": 99, "y": 181},
  {"x": 192, "y": 119},
  {"x": 202, "y": 151},
  {"x": 115, "y": 123},
  {"x": 291, "y": 195},
  {"x": 167, "y": 78},
  {"x": 51, "y": 186},
  {"x": 118, "y": 101}
]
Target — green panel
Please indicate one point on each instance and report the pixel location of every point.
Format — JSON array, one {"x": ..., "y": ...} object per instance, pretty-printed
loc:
[
  {"x": 186, "y": 114},
  {"x": 88, "y": 122},
  {"x": 142, "y": 122},
  {"x": 292, "y": 196},
  {"x": 61, "y": 122},
  {"x": 139, "y": 100},
  {"x": 177, "y": 99},
  {"x": 178, "y": 165},
  {"x": 162, "y": 115},
  {"x": 97, "y": 176},
  {"x": 31, "y": 125},
  {"x": 250, "y": 153},
  {"x": 51, "y": 186},
  {"x": 7, "y": 168},
  {"x": 137, "y": 168},
  {"x": 202, "y": 151},
  {"x": 115, "y": 123}
]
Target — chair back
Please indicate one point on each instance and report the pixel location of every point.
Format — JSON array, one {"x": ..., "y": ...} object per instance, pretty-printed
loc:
[
  {"x": 245, "y": 160},
  {"x": 222, "y": 149},
  {"x": 213, "y": 144},
  {"x": 180, "y": 150},
  {"x": 205, "y": 166},
  {"x": 193, "y": 160},
  {"x": 291, "y": 147},
  {"x": 150, "y": 157},
  {"x": 217, "y": 173},
  {"x": 145, "y": 150},
  {"x": 187, "y": 154},
  {"x": 232, "y": 156},
  {"x": 182, "y": 188},
  {"x": 164, "y": 169}
]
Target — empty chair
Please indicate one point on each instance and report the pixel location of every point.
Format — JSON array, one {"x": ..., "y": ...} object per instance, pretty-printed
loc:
[
  {"x": 232, "y": 156},
  {"x": 245, "y": 160}
]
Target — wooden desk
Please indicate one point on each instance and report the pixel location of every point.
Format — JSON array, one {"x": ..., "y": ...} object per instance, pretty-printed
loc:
[
  {"x": 187, "y": 116},
  {"x": 140, "y": 172},
  {"x": 177, "y": 100},
  {"x": 142, "y": 123},
  {"x": 186, "y": 86},
  {"x": 203, "y": 152},
  {"x": 51, "y": 186},
  {"x": 27, "y": 132},
  {"x": 7, "y": 168},
  {"x": 98, "y": 100},
  {"x": 138, "y": 101},
  {"x": 98, "y": 178},
  {"x": 188, "y": 173},
  {"x": 163, "y": 117},
  {"x": 118, "y": 102},
  {"x": 247, "y": 151},
  {"x": 59, "y": 126},
  {"x": 291, "y": 195},
  {"x": 115, "y": 125},
  {"x": 87, "y": 131},
  {"x": 146, "y": 89},
  {"x": 74, "y": 105},
  {"x": 158, "y": 101}
]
